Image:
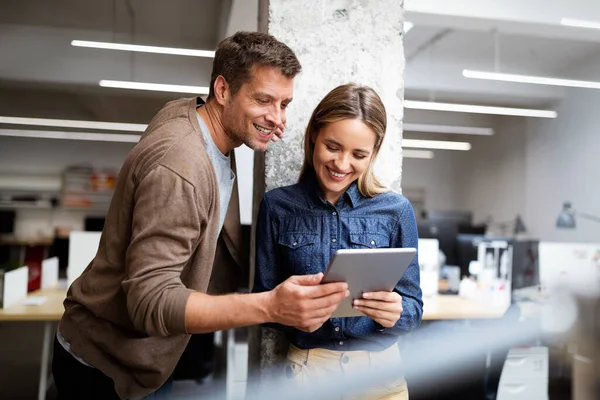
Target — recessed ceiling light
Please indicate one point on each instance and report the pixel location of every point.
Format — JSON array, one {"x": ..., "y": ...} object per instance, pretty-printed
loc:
[
  {"x": 578, "y": 23},
  {"x": 157, "y": 87},
  {"x": 536, "y": 80},
  {"x": 68, "y": 123},
  {"x": 143, "y": 49},
  {"x": 476, "y": 109},
  {"x": 452, "y": 129},
  {"x": 426, "y": 154},
  {"x": 436, "y": 144},
  {"x": 88, "y": 136}
]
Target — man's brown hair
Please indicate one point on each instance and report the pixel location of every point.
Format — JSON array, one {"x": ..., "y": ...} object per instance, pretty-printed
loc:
[{"x": 237, "y": 55}]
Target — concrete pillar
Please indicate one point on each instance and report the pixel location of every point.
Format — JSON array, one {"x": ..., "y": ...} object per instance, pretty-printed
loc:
[{"x": 337, "y": 41}]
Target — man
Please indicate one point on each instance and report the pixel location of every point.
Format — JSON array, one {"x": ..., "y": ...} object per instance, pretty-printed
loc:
[{"x": 129, "y": 316}]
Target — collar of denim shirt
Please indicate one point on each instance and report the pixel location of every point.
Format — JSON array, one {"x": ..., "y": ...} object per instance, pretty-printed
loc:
[{"x": 352, "y": 196}]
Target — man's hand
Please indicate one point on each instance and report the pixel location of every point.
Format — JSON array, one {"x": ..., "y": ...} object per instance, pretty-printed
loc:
[
  {"x": 384, "y": 308},
  {"x": 278, "y": 134},
  {"x": 302, "y": 302}
]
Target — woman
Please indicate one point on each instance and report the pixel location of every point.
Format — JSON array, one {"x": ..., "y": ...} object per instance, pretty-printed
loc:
[{"x": 339, "y": 203}]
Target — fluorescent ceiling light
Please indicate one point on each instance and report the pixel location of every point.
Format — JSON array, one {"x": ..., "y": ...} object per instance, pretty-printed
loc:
[
  {"x": 436, "y": 144},
  {"x": 67, "y": 123},
  {"x": 408, "y": 26},
  {"x": 95, "y": 137},
  {"x": 461, "y": 130},
  {"x": 474, "y": 109},
  {"x": 577, "y": 23},
  {"x": 143, "y": 49},
  {"x": 427, "y": 154},
  {"x": 158, "y": 87},
  {"x": 537, "y": 80}
]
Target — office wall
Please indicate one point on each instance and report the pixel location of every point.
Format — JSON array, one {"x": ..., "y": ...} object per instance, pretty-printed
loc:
[
  {"x": 531, "y": 166},
  {"x": 440, "y": 177},
  {"x": 563, "y": 164},
  {"x": 443, "y": 177},
  {"x": 563, "y": 161},
  {"x": 495, "y": 177}
]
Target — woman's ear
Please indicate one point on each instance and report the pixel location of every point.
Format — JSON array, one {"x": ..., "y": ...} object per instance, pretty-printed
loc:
[{"x": 313, "y": 136}]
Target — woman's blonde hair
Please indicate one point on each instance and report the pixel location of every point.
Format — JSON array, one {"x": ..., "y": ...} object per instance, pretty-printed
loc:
[{"x": 349, "y": 101}]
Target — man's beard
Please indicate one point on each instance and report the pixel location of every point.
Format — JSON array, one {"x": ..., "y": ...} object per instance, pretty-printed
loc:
[{"x": 238, "y": 136}]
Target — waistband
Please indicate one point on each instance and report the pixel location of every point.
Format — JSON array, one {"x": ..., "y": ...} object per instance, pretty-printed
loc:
[{"x": 366, "y": 358}]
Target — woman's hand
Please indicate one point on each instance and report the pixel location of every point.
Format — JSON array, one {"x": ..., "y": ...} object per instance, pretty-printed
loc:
[{"x": 384, "y": 308}]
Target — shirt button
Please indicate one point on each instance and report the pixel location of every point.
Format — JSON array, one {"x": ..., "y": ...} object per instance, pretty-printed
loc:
[
  {"x": 295, "y": 244},
  {"x": 334, "y": 240},
  {"x": 345, "y": 359},
  {"x": 337, "y": 328},
  {"x": 334, "y": 213},
  {"x": 341, "y": 343},
  {"x": 372, "y": 242}
]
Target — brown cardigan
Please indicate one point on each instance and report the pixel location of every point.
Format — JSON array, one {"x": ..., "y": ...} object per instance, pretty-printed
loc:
[{"x": 125, "y": 315}]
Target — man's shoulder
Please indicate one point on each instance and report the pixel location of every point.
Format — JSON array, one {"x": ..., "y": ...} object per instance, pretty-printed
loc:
[{"x": 172, "y": 141}]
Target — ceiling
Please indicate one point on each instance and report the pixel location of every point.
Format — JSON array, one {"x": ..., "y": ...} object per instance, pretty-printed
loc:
[
  {"x": 42, "y": 75},
  {"x": 511, "y": 36},
  {"x": 182, "y": 23}
]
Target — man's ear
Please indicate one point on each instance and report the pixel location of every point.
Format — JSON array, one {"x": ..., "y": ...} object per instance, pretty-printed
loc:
[{"x": 222, "y": 92}]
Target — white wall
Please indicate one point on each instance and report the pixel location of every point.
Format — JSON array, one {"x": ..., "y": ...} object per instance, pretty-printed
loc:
[
  {"x": 440, "y": 177},
  {"x": 495, "y": 177},
  {"x": 563, "y": 164},
  {"x": 444, "y": 176},
  {"x": 529, "y": 167},
  {"x": 532, "y": 166}
]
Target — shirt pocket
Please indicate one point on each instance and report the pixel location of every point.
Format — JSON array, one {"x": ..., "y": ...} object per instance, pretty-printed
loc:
[
  {"x": 368, "y": 240},
  {"x": 298, "y": 252}
]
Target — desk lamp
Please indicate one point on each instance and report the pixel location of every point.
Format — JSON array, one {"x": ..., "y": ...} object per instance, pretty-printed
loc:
[{"x": 566, "y": 218}]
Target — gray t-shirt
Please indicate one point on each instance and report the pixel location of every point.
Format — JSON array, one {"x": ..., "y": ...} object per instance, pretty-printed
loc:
[{"x": 222, "y": 166}]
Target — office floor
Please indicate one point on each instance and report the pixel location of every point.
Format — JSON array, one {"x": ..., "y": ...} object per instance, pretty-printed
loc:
[{"x": 20, "y": 349}]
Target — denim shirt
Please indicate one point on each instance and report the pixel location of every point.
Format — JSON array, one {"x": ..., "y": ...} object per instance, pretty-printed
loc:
[{"x": 298, "y": 232}]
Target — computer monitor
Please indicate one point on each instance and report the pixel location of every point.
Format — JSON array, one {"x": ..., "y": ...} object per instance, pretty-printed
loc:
[
  {"x": 466, "y": 250},
  {"x": 525, "y": 265},
  {"x": 445, "y": 226},
  {"x": 7, "y": 221},
  {"x": 94, "y": 224}
]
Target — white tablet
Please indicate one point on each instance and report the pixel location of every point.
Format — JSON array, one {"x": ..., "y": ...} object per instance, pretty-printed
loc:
[{"x": 366, "y": 270}]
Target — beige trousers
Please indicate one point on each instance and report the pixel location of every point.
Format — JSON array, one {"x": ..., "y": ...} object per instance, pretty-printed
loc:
[{"x": 310, "y": 366}]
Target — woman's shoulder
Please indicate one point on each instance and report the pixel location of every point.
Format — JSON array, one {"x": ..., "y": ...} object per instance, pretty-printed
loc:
[
  {"x": 393, "y": 199},
  {"x": 284, "y": 194}
]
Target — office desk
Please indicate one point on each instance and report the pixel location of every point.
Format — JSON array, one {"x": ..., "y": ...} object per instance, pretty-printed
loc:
[
  {"x": 49, "y": 312},
  {"x": 447, "y": 306}
]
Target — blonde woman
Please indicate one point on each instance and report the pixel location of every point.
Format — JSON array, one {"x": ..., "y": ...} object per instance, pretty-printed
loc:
[{"x": 339, "y": 203}]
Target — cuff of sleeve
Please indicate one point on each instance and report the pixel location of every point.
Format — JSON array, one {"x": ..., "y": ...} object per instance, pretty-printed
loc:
[{"x": 175, "y": 314}]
